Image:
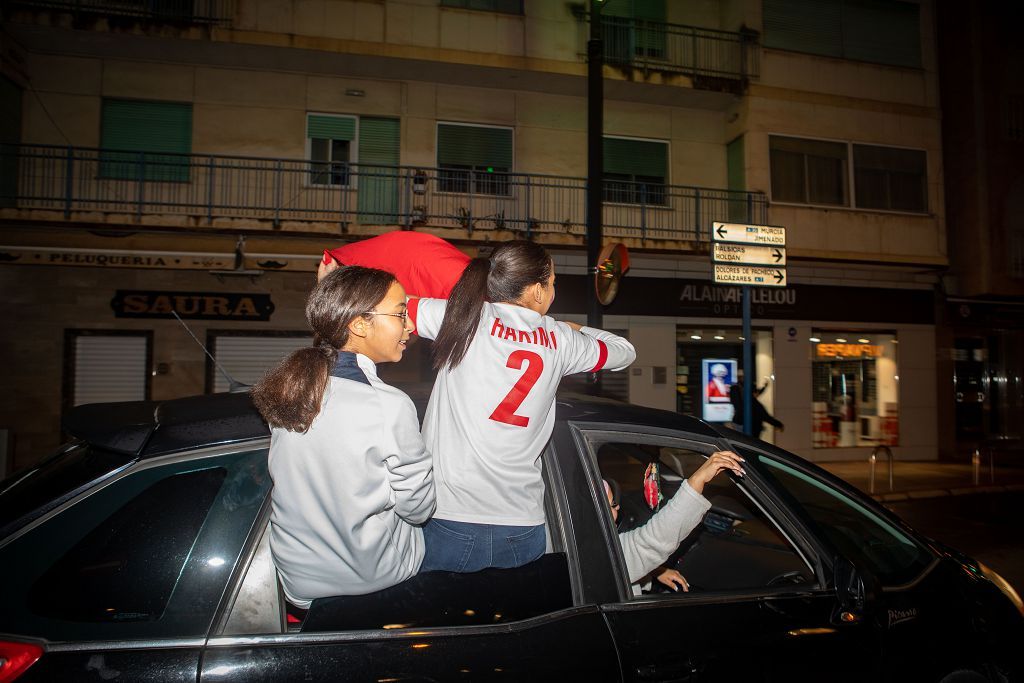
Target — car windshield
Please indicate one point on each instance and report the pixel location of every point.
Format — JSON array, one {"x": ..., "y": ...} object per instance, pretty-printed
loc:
[{"x": 30, "y": 493}]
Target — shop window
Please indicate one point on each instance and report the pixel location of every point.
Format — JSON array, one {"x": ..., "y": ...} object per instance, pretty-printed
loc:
[
  {"x": 143, "y": 140},
  {"x": 890, "y": 178},
  {"x": 331, "y": 142},
  {"x": 855, "y": 389},
  {"x": 808, "y": 171},
  {"x": 635, "y": 171},
  {"x": 106, "y": 366},
  {"x": 246, "y": 357},
  {"x": 474, "y": 158},
  {"x": 503, "y": 6}
]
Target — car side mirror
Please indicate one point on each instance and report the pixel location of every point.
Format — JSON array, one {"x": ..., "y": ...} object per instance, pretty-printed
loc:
[{"x": 856, "y": 591}]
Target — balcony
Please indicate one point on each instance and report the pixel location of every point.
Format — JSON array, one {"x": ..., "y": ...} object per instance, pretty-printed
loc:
[
  {"x": 716, "y": 60},
  {"x": 42, "y": 182},
  {"x": 162, "y": 11}
]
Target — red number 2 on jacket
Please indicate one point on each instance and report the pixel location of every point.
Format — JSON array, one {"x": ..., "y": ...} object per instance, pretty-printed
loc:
[{"x": 506, "y": 410}]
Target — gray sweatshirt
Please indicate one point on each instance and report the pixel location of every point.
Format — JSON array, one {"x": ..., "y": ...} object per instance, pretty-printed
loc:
[
  {"x": 646, "y": 547},
  {"x": 348, "y": 492}
]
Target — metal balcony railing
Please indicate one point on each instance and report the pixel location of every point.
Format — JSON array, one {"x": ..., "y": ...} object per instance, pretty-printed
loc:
[
  {"x": 691, "y": 50},
  {"x": 210, "y": 187},
  {"x": 172, "y": 11}
]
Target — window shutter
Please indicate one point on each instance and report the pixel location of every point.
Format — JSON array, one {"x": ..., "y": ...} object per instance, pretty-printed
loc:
[
  {"x": 474, "y": 146},
  {"x": 804, "y": 25},
  {"x": 247, "y": 359},
  {"x": 882, "y": 31},
  {"x": 636, "y": 157},
  {"x": 378, "y": 141},
  {"x": 138, "y": 126},
  {"x": 110, "y": 368},
  {"x": 737, "y": 172},
  {"x": 331, "y": 127}
]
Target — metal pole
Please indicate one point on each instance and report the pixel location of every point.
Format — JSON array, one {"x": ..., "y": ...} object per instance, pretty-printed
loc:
[
  {"x": 750, "y": 375},
  {"x": 595, "y": 167}
]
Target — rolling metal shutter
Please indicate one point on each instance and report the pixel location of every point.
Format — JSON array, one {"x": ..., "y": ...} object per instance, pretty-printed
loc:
[
  {"x": 331, "y": 127},
  {"x": 141, "y": 126},
  {"x": 474, "y": 146},
  {"x": 110, "y": 368},
  {"x": 813, "y": 26},
  {"x": 247, "y": 359},
  {"x": 378, "y": 141},
  {"x": 882, "y": 31},
  {"x": 636, "y": 157}
]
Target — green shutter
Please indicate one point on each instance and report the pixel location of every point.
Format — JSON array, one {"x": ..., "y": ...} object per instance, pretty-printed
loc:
[
  {"x": 378, "y": 141},
  {"x": 636, "y": 157},
  {"x": 737, "y": 179},
  {"x": 378, "y": 171},
  {"x": 813, "y": 26},
  {"x": 331, "y": 127},
  {"x": 474, "y": 146},
  {"x": 142, "y": 126},
  {"x": 882, "y": 31}
]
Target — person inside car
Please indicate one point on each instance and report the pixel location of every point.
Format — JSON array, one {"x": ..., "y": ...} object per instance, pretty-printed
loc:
[
  {"x": 646, "y": 548},
  {"x": 500, "y": 359},
  {"x": 352, "y": 477}
]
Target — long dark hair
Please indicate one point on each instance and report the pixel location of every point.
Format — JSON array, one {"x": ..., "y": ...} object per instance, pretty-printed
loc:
[
  {"x": 289, "y": 396},
  {"x": 513, "y": 267}
]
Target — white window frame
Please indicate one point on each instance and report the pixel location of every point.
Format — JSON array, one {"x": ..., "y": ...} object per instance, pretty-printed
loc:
[
  {"x": 437, "y": 141},
  {"x": 353, "y": 151}
]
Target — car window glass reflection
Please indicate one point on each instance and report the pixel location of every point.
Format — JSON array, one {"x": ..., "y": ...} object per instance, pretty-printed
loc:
[
  {"x": 736, "y": 547},
  {"x": 856, "y": 531}
]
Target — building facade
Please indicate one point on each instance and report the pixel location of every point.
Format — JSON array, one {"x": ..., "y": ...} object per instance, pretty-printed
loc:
[{"x": 196, "y": 157}]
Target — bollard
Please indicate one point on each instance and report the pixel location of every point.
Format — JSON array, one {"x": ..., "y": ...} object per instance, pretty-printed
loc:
[
  {"x": 871, "y": 466},
  {"x": 976, "y": 466}
]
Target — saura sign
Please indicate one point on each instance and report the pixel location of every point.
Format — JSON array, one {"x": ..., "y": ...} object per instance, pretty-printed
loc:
[{"x": 130, "y": 303}]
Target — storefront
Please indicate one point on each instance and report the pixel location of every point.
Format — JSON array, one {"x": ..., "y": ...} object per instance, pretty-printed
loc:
[{"x": 846, "y": 369}]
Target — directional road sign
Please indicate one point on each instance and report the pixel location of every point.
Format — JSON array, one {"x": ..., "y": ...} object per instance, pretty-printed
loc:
[
  {"x": 748, "y": 254},
  {"x": 750, "y": 275},
  {"x": 749, "y": 234}
]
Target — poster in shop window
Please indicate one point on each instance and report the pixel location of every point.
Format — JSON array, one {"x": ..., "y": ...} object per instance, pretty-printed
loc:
[{"x": 717, "y": 375}]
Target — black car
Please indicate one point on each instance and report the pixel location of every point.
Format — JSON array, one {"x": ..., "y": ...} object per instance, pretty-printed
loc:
[{"x": 140, "y": 552}]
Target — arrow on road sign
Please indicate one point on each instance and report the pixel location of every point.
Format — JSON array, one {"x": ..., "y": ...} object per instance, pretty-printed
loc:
[{"x": 749, "y": 234}]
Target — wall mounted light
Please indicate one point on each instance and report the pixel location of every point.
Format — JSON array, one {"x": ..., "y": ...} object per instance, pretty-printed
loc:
[{"x": 355, "y": 92}]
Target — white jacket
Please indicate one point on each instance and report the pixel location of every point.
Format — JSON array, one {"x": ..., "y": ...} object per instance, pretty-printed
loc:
[
  {"x": 646, "y": 547},
  {"x": 348, "y": 491}
]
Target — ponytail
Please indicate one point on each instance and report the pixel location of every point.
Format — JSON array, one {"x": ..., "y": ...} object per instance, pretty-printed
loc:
[
  {"x": 290, "y": 395},
  {"x": 513, "y": 267},
  {"x": 462, "y": 315}
]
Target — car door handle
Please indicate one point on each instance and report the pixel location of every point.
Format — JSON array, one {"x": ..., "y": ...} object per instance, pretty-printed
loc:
[{"x": 680, "y": 672}]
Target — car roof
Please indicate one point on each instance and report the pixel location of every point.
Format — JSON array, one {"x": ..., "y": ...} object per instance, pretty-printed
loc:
[{"x": 150, "y": 428}]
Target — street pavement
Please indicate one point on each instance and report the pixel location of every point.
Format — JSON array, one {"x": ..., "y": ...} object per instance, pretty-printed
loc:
[{"x": 929, "y": 479}]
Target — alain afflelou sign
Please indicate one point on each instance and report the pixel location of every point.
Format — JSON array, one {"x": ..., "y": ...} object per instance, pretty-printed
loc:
[{"x": 133, "y": 303}]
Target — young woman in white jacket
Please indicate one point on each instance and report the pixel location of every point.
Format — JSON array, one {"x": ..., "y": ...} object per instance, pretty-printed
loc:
[
  {"x": 500, "y": 359},
  {"x": 352, "y": 477}
]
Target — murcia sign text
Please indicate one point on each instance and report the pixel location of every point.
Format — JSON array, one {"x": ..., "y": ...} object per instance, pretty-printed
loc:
[
  {"x": 769, "y": 235},
  {"x": 128, "y": 303}
]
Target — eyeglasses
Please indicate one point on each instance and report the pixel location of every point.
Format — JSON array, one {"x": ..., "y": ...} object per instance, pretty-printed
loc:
[{"x": 404, "y": 315}]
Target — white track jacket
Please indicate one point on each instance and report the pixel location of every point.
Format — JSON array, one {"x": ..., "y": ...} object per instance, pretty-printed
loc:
[{"x": 348, "y": 492}]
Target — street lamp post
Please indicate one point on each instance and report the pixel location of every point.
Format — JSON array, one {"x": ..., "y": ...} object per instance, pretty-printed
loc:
[{"x": 595, "y": 170}]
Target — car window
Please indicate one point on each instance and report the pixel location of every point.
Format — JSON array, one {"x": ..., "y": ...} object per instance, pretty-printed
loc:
[
  {"x": 858, "y": 532},
  {"x": 147, "y": 555},
  {"x": 28, "y": 494},
  {"x": 736, "y": 546}
]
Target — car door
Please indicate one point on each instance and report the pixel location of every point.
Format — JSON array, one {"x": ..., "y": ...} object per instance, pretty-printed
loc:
[
  {"x": 521, "y": 624},
  {"x": 762, "y": 605},
  {"x": 922, "y": 611},
  {"x": 123, "y": 582}
]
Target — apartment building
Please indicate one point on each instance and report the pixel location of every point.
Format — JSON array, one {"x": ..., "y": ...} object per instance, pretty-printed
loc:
[{"x": 195, "y": 157}]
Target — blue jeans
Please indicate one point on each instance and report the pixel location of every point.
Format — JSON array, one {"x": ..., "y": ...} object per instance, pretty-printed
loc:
[{"x": 465, "y": 547}]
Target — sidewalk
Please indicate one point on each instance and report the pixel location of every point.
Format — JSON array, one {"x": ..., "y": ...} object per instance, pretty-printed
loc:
[{"x": 929, "y": 479}]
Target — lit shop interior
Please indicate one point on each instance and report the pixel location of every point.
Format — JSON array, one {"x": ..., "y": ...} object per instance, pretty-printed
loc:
[
  {"x": 855, "y": 389},
  {"x": 709, "y": 361}
]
